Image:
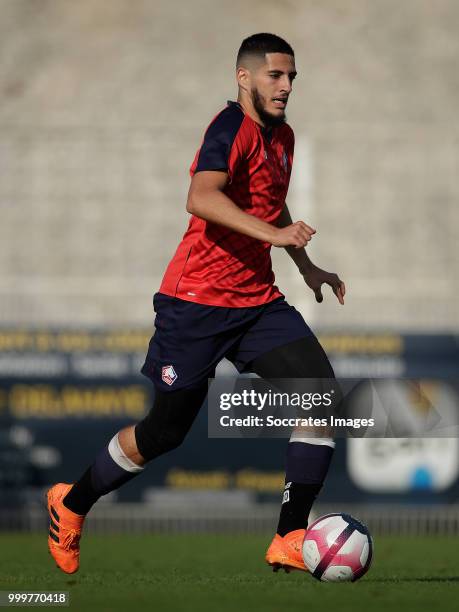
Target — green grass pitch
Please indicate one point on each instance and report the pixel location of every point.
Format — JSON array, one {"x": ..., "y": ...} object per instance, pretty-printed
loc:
[{"x": 201, "y": 573}]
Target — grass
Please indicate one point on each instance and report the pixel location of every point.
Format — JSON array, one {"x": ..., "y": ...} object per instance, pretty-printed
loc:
[{"x": 171, "y": 573}]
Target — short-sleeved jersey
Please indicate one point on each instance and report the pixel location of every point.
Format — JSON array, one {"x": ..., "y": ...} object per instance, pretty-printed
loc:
[{"x": 215, "y": 265}]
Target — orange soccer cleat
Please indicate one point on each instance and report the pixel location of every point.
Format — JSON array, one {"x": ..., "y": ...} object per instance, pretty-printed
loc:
[
  {"x": 64, "y": 530},
  {"x": 285, "y": 552}
]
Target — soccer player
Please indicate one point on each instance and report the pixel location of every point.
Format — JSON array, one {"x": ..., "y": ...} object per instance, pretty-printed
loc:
[{"x": 218, "y": 299}]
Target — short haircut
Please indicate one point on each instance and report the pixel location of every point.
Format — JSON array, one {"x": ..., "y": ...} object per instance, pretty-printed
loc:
[{"x": 258, "y": 45}]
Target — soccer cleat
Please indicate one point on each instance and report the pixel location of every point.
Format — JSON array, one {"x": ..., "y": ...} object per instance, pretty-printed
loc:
[
  {"x": 64, "y": 530},
  {"x": 285, "y": 552}
]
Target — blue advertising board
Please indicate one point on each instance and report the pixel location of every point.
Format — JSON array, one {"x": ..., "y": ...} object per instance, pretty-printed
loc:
[{"x": 64, "y": 393}]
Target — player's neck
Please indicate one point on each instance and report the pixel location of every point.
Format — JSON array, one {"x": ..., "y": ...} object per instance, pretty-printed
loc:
[{"x": 249, "y": 109}]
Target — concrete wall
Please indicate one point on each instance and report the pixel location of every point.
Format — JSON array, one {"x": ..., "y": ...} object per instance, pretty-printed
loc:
[{"x": 103, "y": 105}]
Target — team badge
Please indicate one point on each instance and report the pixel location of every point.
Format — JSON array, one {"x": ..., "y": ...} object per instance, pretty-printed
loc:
[
  {"x": 169, "y": 375},
  {"x": 285, "y": 160}
]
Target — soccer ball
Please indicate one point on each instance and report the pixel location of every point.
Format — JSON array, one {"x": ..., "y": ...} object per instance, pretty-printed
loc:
[{"x": 337, "y": 548}]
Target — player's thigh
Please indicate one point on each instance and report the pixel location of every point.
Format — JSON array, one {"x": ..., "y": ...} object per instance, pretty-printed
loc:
[
  {"x": 289, "y": 365},
  {"x": 301, "y": 358},
  {"x": 280, "y": 345}
]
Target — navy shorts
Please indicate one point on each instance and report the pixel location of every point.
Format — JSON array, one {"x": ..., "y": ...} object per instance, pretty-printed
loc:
[{"x": 191, "y": 339}]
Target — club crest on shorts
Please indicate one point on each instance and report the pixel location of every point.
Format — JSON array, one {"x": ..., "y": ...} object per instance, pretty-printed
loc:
[{"x": 169, "y": 375}]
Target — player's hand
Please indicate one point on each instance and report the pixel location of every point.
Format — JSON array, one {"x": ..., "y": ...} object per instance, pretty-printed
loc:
[
  {"x": 315, "y": 278},
  {"x": 297, "y": 234}
]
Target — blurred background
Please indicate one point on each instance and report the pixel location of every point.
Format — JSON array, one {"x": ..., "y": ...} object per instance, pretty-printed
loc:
[{"x": 103, "y": 106}]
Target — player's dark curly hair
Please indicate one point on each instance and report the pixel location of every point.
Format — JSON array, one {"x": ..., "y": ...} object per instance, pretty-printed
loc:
[{"x": 260, "y": 44}]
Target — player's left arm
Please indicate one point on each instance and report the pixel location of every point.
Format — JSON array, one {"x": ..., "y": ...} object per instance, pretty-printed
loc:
[{"x": 313, "y": 276}]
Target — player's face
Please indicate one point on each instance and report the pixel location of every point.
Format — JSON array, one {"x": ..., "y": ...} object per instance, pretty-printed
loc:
[{"x": 271, "y": 86}]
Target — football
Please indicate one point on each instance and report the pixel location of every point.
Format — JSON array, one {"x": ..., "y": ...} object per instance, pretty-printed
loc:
[{"x": 337, "y": 548}]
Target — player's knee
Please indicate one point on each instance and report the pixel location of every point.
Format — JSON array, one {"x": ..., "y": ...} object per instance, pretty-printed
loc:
[
  {"x": 166, "y": 425},
  {"x": 153, "y": 443}
]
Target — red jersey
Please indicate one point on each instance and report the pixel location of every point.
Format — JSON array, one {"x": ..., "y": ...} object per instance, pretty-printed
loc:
[{"x": 215, "y": 265}]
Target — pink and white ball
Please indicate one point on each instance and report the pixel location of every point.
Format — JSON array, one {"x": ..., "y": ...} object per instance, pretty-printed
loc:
[{"x": 337, "y": 548}]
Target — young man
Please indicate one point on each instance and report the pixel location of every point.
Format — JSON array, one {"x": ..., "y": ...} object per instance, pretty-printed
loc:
[{"x": 218, "y": 299}]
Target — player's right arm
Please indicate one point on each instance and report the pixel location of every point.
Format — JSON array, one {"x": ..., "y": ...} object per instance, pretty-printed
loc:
[{"x": 207, "y": 200}]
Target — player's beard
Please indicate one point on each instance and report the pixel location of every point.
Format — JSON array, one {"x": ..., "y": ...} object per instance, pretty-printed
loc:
[{"x": 259, "y": 103}]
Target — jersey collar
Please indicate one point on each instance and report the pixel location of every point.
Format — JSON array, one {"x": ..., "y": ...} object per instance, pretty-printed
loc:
[{"x": 267, "y": 131}]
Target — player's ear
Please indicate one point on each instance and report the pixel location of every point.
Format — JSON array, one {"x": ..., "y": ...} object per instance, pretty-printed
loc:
[{"x": 243, "y": 78}]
